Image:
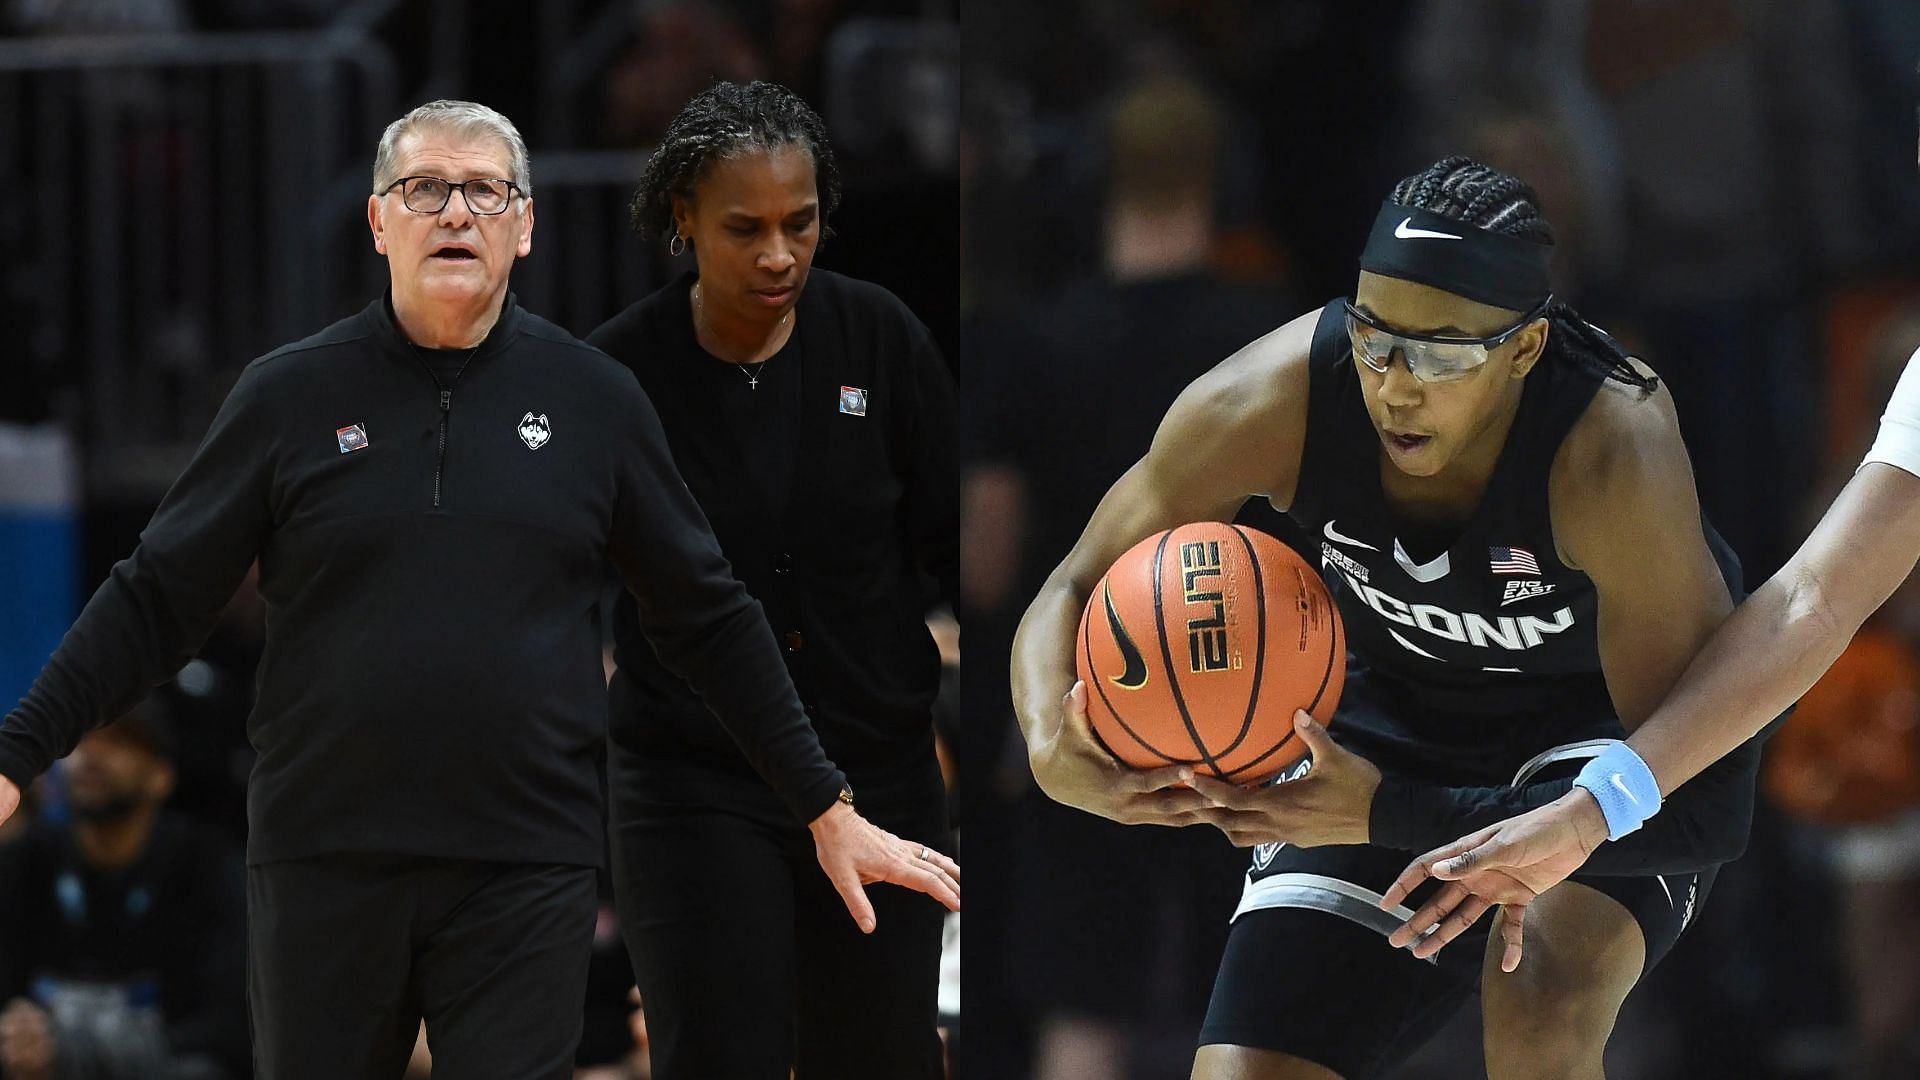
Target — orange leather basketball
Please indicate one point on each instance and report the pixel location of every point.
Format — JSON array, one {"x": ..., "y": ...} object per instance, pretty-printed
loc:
[{"x": 1198, "y": 645}]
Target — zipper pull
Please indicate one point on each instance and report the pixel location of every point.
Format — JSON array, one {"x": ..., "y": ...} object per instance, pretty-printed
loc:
[{"x": 446, "y": 401}]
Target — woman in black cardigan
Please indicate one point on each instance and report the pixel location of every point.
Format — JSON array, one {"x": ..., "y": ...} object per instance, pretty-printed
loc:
[{"x": 814, "y": 421}]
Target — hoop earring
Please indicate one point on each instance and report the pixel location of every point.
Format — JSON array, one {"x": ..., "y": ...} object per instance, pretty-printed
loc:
[{"x": 677, "y": 246}]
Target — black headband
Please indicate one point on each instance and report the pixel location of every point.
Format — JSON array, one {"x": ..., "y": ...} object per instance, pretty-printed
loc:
[{"x": 1493, "y": 268}]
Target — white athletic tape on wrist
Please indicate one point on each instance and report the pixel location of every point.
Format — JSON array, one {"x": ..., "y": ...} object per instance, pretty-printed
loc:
[{"x": 1623, "y": 786}]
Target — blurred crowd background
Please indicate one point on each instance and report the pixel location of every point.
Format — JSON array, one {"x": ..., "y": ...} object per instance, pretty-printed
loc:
[
  {"x": 1150, "y": 184},
  {"x": 186, "y": 184}
]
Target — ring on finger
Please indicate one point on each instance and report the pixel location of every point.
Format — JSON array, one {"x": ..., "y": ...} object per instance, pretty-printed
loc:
[{"x": 923, "y": 855}]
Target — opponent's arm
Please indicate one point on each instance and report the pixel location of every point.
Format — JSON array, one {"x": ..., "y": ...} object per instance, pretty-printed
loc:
[
  {"x": 1787, "y": 634},
  {"x": 158, "y": 604},
  {"x": 1236, "y": 432}
]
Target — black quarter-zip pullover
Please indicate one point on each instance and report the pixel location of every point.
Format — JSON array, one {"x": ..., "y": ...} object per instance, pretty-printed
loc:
[
  {"x": 431, "y": 555},
  {"x": 834, "y": 490}
]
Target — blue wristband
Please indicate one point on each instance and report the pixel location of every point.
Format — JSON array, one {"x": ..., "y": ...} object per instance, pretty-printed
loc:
[{"x": 1623, "y": 786}]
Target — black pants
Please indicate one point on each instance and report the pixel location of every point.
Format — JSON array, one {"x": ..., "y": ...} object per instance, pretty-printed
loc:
[
  {"x": 348, "y": 953},
  {"x": 747, "y": 960}
]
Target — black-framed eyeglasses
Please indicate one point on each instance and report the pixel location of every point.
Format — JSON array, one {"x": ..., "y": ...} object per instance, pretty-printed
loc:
[
  {"x": 1429, "y": 358},
  {"x": 429, "y": 194}
]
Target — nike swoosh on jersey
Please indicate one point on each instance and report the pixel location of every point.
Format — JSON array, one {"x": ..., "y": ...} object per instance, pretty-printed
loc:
[
  {"x": 1135, "y": 676},
  {"x": 1405, "y": 231},
  {"x": 1337, "y": 538}
]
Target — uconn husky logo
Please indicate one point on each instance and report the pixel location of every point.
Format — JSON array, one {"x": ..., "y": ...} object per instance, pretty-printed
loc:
[{"x": 535, "y": 431}]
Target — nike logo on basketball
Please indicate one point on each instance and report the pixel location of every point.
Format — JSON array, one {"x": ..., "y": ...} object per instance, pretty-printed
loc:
[
  {"x": 1404, "y": 231},
  {"x": 1335, "y": 536},
  {"x": 1616, "y": 781},
  {"x": 1135, "y": 675}
]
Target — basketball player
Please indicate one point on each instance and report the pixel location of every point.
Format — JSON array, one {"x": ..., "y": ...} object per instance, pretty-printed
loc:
[
  {"x": 1509, "y": 524},
  {"x": 1775, "y": 647}
]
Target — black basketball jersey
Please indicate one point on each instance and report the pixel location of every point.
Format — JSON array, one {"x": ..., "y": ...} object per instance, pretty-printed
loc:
[{"x": 1494, "y": 623}]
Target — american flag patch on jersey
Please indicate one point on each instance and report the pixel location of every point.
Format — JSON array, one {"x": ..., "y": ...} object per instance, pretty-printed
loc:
[{"x": 1513, "y": 560}]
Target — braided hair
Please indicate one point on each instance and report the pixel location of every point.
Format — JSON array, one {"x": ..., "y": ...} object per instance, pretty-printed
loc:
[
  {"x": 723, "y": 121},
  {"x": 1466, "y": 191}
]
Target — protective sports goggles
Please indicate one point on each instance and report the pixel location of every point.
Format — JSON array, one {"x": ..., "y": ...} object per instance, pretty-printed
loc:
[{"x": 1430, "y": 359}]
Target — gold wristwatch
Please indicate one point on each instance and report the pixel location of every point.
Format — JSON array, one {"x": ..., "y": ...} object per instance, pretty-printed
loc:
[{"x": 846, "y": 794}]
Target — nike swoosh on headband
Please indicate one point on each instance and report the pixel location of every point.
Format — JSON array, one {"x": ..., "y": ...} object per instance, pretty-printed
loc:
[
  {"x": 1337, "y": 538},
  {"x": 1405, "y": 231}
]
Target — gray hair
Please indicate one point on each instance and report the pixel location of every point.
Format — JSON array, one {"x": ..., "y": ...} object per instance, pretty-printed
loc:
[{"x": 464, "y": 118}]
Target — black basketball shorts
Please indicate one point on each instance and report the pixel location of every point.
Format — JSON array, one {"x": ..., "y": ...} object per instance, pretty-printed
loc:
[{"x": 1308, "y": 970}]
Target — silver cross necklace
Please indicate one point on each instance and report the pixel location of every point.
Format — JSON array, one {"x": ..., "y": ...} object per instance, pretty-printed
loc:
[{"x": 750, "y": 370}]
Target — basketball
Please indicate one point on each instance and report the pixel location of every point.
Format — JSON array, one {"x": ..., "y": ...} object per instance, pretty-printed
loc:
[{"x": 1198, "y": 645}]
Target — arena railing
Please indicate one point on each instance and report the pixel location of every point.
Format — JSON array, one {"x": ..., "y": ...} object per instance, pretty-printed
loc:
[{"x": 178, "y": 204}]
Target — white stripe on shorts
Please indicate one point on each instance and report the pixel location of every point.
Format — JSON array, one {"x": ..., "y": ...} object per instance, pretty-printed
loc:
[{"x": 1318, "y": 892}]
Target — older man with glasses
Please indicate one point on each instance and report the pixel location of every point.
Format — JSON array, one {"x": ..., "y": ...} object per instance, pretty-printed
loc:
[{"x": 433, "y": 489}]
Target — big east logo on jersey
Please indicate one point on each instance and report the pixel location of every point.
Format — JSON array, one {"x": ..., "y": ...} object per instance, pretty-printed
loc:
[{"x": 1514, "y": 633}]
